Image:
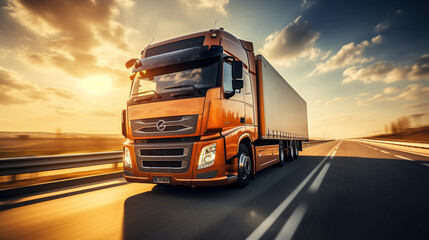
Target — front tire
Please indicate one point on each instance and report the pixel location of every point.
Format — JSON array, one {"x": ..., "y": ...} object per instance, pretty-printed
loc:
[{"x": 244, "y": 166}]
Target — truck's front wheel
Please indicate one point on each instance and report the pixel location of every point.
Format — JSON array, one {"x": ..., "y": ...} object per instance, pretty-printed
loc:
[{"x": 244, "y": 166}]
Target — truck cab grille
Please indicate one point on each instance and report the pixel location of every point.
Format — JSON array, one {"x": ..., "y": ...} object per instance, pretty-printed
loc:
[
  {"x": 162, "y": 152},
  {"x": 163, "y": 157},
  {"x": 163, "y": 164},
  {"x": 167, "y": 126}
]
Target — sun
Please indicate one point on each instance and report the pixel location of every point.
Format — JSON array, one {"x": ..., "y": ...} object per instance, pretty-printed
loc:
[{"x": 97, "y": 85}]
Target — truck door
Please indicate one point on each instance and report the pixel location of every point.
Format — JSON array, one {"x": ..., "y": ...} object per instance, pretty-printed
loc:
[
  {"x": 234, "y": 117},
  {"x": 235, "y": 112}
]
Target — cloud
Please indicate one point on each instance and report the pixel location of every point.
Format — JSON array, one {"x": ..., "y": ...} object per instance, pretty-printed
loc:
[
  {"x": 410, "y": 93},
  {"x": 5, "y": 53},
  {"x": 294, "y": 41},
  {"x": 377, "y": 39},
  {"x": 348, "y": 55},
  {"x": 390, "y": 90},
  {"x": 416, "y": 105},
  {"x": 360, "y": 101},
  {"x": 381, "y": 27},
  {"x": 387, "y": 72},
  {"x": 217, "y": 5},
  {"x": 315, "y": 101},
  {"x": 306, "y": 4},
  {"x": 68, "y": 32},
  {"x": 337, "y": 99},
  {"x": 13, "y": 90},
  {"x": 326, "y": 102},
  {"x": 363, "y": 95}
]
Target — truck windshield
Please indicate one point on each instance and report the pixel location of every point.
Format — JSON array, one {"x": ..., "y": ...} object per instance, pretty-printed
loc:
[{"x": 197, "y": 75}]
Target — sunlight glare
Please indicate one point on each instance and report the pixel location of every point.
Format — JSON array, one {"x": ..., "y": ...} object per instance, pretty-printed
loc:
[{"x": 97, "y": 85}]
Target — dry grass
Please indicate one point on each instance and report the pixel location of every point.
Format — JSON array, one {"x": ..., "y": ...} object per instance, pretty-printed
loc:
[{"x": 420, "y": 135}]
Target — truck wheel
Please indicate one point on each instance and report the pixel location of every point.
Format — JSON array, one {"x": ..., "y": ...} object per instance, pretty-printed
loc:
[
  {"x": 296, "y": 150},
  {"x": 291, "y": 152},
  {"x": 281, "y": 154},
  {"x": 244, "y": 166}
]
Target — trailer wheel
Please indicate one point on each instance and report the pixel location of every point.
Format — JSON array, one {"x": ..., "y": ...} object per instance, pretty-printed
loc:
[
  {"x": 244, "y": 166},
  {"x": 296, "y": 155},
  {"x": 281, "y": 154},
  {"x": 291, "y": 151}
]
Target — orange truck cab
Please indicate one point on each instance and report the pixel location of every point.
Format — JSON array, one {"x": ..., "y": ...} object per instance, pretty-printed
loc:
[{"x": 203, "y": 110}]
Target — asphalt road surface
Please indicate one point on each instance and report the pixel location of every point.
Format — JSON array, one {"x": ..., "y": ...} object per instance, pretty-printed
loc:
[{"x": 335, "y": 190}]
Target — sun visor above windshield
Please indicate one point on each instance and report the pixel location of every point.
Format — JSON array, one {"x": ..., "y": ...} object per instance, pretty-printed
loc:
[{"x": 180, "y": 56}]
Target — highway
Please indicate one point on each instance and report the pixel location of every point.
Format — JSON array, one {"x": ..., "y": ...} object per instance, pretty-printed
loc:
[{"x": 335, "y": 190}]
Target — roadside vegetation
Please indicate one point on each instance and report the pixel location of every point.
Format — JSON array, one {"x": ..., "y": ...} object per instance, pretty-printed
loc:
[
  {"x": 406, "y": 128},
  {"x": 40, "y": 144}
]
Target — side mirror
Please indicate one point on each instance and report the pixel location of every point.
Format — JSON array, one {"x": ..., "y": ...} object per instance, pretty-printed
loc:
[
  {"x": 237, "y": 70},
  {"x": 130, "y": 62},
  {"x": 237, "y": 84}
]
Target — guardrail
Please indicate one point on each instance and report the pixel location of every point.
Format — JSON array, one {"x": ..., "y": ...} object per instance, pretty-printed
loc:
[
  {"x": 407, "y": 144},
  {"x": 20, "y": 165},
  {"x": 316, "y": 142}
]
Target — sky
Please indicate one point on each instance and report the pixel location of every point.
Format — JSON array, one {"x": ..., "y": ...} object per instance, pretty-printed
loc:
[{"x": 358, "y": 64}]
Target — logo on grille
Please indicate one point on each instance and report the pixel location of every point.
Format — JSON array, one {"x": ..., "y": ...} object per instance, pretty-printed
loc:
[{"x": 160, "y": 125}]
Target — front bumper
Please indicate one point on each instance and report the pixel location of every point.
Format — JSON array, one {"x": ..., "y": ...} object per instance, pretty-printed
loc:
[
  {"x": 224, "y": 180},
  {"x": 185, "y": 171}
]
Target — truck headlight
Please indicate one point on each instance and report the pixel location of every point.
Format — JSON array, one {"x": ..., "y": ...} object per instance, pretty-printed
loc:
[
  {"x": 207, "y": 156},
  {"x": 127, "y": 158}
]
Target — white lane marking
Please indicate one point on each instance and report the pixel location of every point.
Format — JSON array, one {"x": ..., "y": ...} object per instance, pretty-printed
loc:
[
  {"x": 266, "y": 224},
  {"x": 384, "y": 152},
  {"x": 398, "y": 149},
  {"x": 398, "y": 156},
  {"x": 333, "y": 154},
  {"x": 316, "y": 183},
  {"x": 288, "y": 230},
  {"x": 426, "y": 164}
]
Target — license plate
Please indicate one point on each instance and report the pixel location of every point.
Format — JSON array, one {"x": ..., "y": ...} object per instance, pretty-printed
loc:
[{"x": 161, "y": 179}]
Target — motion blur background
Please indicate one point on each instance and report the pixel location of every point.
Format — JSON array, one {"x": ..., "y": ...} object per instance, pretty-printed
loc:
[{"x": 362, "y": 66}]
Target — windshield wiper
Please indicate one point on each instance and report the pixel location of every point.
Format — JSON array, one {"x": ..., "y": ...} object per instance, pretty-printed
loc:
[
  {"x": 147, "y": 97},
  {"x": 184, "y": 93},
  {"x": 183, "y": 86}
]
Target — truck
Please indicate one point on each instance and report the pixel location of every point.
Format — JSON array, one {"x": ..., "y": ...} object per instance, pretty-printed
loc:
[{"x": 203, "y": 110}]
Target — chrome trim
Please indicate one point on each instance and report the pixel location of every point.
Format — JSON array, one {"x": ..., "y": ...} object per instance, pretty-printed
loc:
[
  {"x": 151, "y": 127},
  {"x": 268, "y": 162},
  {"x": 244, "y": 165}
]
